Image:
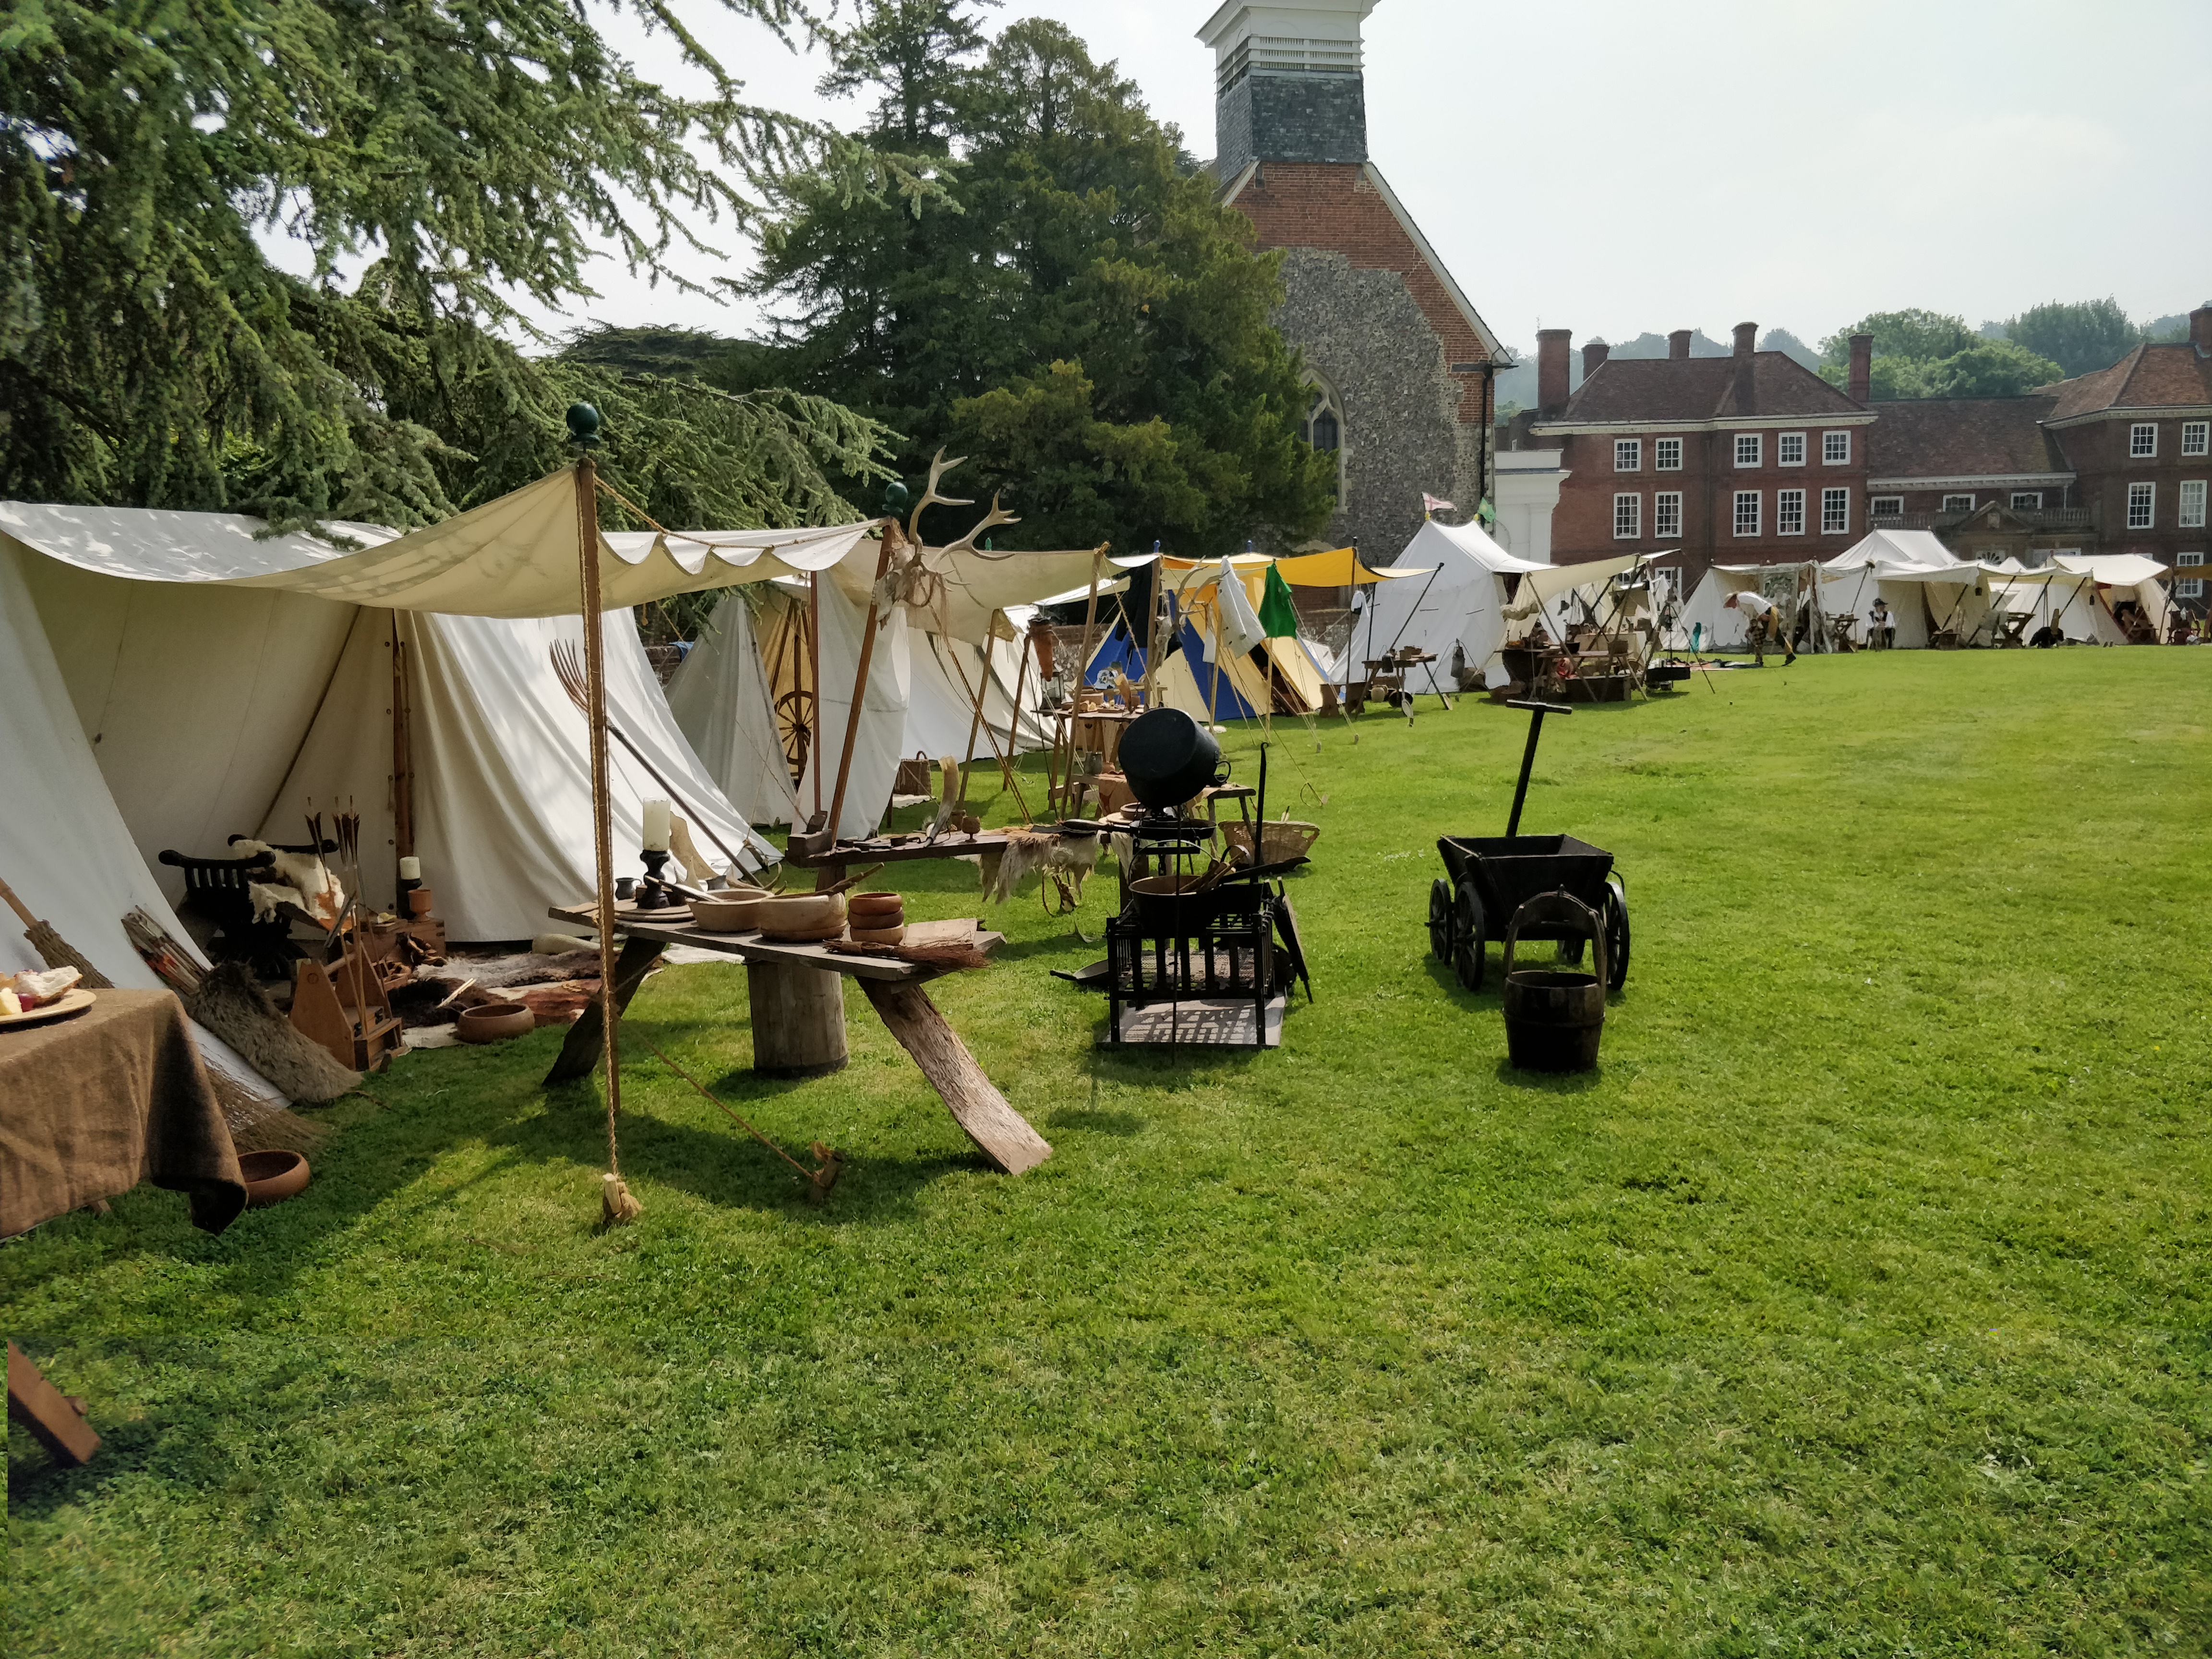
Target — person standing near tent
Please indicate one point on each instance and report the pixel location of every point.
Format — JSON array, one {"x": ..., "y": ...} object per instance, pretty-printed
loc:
[{"x": 1763, "y": 625}]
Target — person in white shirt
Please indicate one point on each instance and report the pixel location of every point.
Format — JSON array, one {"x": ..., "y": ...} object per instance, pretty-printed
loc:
[{"x": 1763, "y": 624}]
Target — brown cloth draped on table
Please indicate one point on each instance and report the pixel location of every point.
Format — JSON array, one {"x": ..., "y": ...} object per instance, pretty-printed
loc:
[{"x": 92, "y": 1104}]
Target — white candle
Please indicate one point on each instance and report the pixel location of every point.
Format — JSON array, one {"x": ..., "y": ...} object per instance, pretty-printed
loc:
[
  {"x": 656, "y": 827},
  {"x": 411, "y": 869}
]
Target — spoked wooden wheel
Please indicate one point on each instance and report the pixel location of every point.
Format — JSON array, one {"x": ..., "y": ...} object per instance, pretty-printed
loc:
[
  {"x": 1440, "y": 919},
  {"x": 1467, "y": 937},
  {"x": 794, "y": 724},
  {"x": 1616, "y": 937}
]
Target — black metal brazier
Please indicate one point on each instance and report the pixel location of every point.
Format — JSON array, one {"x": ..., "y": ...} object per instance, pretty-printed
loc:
[{"x": 1168, "y": 757}]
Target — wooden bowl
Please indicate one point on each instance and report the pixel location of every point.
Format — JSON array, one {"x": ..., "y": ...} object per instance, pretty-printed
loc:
[
  {"x": 874, "y": 904},
  {"x": 496, "y": 1022},
  {"x": 733, "y": 911},
  {"x": 878, "y": 935},
  {"x": 801, "y": 916},
  {"x": 271, "y": 1177}
]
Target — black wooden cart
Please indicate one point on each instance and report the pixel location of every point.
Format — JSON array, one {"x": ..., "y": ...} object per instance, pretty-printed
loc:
[{"x": 1487, "y": 878}]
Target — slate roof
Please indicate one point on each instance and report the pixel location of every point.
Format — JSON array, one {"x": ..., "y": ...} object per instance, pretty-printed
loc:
[
  {"x": 1963, "y": 438},
  {"x": 1625, "y": 389},
  {"x": 2149, "y": 377}
]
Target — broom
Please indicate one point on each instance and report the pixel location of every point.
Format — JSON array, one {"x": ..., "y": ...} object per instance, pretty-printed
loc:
[{"x": 56, "y": 952}]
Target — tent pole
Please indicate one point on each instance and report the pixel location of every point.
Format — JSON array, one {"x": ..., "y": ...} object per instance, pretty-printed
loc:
[
  {"x": 619, "y": 1206},
  {"x": 402, "y": 759},
  {"x": 890, "y": 545},
  {"x": 814, "y": 674},
  {"x": 1024, "y": 644},
  {"x": 1213, "y": 703},
  {"x": 976, "y": 725}
]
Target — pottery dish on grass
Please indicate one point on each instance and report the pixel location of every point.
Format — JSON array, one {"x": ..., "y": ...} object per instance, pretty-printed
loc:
[
  {"x": 496, "y": 1022},
  {"x": 271, "y": 1177}
]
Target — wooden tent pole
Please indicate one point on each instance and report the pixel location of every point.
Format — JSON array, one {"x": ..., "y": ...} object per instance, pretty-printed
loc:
[
  {"x": 976, "y": 725},
  {"x": 1025, "y": 644},
  {"x": 890, "y": 545},
  {"x": 619, "y": 1205},
  {"x": 814, "y": 674},
  {"x": 403, "y": 760}
]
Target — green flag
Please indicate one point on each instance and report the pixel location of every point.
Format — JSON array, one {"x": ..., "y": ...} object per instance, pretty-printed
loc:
[
  {"x": 1485, "y": 512},
  {"x": 1277, "y": 615}
]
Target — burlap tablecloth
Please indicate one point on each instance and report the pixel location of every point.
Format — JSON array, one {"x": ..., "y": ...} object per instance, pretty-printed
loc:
[{"x": 91, "y": 1105}]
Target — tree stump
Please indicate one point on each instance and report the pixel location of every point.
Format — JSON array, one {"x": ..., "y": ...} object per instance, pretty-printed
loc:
[{"x": 799, "y": 1019}]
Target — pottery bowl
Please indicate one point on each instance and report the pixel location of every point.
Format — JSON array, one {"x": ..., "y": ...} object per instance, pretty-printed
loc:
[
  {"x": 878, "y": 935},
  {"x": 271, "y": 1177},
  {"x": 874, "y": 904},
  {"x": 732, "y": 911},
  {"x": 803, "y": 916},
  {"x": 496, "y": 1022}
]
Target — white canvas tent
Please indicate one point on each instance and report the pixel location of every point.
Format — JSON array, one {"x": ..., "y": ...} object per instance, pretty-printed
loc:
[
  {"x": 723, "y": 703},
  {"x": 2103, "y": 582},
  {"x": 218, "y": 706},
  {"x": 1452, "y": 601}
]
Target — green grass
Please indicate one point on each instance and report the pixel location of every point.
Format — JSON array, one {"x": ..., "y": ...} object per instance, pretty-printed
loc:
[{"x": 1859, "y": 1303}]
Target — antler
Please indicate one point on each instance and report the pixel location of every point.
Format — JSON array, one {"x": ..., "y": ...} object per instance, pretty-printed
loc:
[
  {"x": 967, "y": 543},
  {"x": 939, "y": 466}
]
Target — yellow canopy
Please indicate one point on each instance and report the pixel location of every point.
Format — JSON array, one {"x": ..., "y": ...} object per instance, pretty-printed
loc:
[{"x": 1338, "y": 569}]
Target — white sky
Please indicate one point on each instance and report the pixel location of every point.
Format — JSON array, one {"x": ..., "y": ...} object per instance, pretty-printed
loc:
[{"x": 1612, "y": 167}]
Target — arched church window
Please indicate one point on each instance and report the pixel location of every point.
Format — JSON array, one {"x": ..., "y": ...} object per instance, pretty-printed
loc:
[{"x": 1323, "y": 425}]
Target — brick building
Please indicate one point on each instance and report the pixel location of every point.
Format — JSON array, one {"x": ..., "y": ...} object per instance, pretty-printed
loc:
[
  {"x": 2118, "y": 461},
  {"x": 1749, "y": 459},
  {"x": 1400, "y": 364}
]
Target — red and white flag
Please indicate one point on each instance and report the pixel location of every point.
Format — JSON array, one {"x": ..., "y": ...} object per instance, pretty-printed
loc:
[{"x": 1434, "y": 504}]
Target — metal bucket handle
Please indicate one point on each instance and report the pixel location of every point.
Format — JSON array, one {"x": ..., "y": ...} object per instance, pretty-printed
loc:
[{"x": 1559, "y": 906}]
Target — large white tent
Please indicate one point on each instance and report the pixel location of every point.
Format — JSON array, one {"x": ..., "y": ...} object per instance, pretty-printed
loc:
[
  {"x": 217, "y": 706},
  {"x": 1456, "y": 610}
]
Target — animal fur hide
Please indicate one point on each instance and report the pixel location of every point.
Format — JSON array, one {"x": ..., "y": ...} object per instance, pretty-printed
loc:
[
  {"x": 302, "y": 880},
  {"x": 229, "y": 1004},
  {"x": 1030, "y": 851}
]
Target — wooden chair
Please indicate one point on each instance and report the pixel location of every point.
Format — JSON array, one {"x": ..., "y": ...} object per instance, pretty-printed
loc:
[{"x": 216, "y": 889}]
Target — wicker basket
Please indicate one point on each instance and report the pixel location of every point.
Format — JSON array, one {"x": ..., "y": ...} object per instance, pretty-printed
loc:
[{"x": 1285, "y": 839}]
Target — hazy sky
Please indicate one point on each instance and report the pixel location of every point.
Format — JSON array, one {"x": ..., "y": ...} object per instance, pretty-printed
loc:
[{"x": 1611, "y": 167}]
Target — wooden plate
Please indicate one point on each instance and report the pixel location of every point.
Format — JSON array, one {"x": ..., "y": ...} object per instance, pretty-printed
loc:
[{"x": 74, "y": 1001}]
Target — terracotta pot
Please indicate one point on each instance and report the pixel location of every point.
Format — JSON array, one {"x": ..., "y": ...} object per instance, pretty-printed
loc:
[
  {"x": 801, "y": 916},
  {"x": 418, "y": 900},
  {"x": 879, "y": 935},
  {"x": 875, "y": 904},
  {"x": 735, "y": 911},
  {"x": 496, "y": 1022},
  {"x": 271, "y": 1177}
]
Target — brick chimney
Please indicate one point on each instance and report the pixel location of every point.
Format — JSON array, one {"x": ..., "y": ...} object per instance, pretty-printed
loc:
[
  {"x": 1551, "y": 370},
  {"x": 1862, "y": 368},
  {"x": 1677, "y": 346},
  {"x": 1747, "y": 344},
  {"x": 2200, "y": 329},
  {"x": 1594, "y": 353}
]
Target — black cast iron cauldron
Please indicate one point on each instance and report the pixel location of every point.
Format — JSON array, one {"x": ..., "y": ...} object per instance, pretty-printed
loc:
[{"x": 1168, "y": 757}]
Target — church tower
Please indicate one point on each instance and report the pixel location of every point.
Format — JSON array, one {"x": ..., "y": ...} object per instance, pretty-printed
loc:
[
  {"x": 1287, "y": 82},
  {"x": 1400, "y": 366}
]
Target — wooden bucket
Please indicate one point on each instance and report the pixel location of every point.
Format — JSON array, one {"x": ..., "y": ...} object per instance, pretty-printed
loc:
[{"x": 1554, "y": 1018}]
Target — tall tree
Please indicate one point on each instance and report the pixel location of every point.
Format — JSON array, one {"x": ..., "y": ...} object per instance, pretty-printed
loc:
[
  {"x": 1922, "y": 336},
  {"x": 1090, "y": 324},
  {"x": 2080, "y": 337},
  {"x": 460, "y": 155}
]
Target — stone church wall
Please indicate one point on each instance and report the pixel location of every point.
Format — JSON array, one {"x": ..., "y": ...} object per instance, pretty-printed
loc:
[{"x": 1363, "y": 331}]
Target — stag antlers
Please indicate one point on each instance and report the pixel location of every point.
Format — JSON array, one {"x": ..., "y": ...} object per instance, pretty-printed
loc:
[{"x": 939, "y": 466}]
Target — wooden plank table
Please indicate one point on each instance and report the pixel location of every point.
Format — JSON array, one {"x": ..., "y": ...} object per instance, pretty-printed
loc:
[
  {"x": 829, "y": 863},
  {"x": 797, "y": 994}
]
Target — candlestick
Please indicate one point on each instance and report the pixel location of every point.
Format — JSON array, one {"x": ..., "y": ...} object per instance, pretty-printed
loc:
[
  {"x": 656, "y": 827},
  {"x": 411, "y": 869}
]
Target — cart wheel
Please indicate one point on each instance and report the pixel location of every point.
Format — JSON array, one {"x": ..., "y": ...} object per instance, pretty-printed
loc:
[
  {"x": 1616, "y": 937},
  {"x": 1440, "y": 919},
  {"x": 1467, "y": 939}
]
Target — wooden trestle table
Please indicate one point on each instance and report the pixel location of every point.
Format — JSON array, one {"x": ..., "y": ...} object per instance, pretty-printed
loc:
[{"x": 797, "y": 994}]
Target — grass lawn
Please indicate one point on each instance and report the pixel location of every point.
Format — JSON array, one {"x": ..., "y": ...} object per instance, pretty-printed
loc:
[{"x": 1859, "y": 1304}]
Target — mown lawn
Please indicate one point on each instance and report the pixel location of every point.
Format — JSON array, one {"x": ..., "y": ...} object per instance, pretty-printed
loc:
[{"x": 1860, "y": 1304}]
